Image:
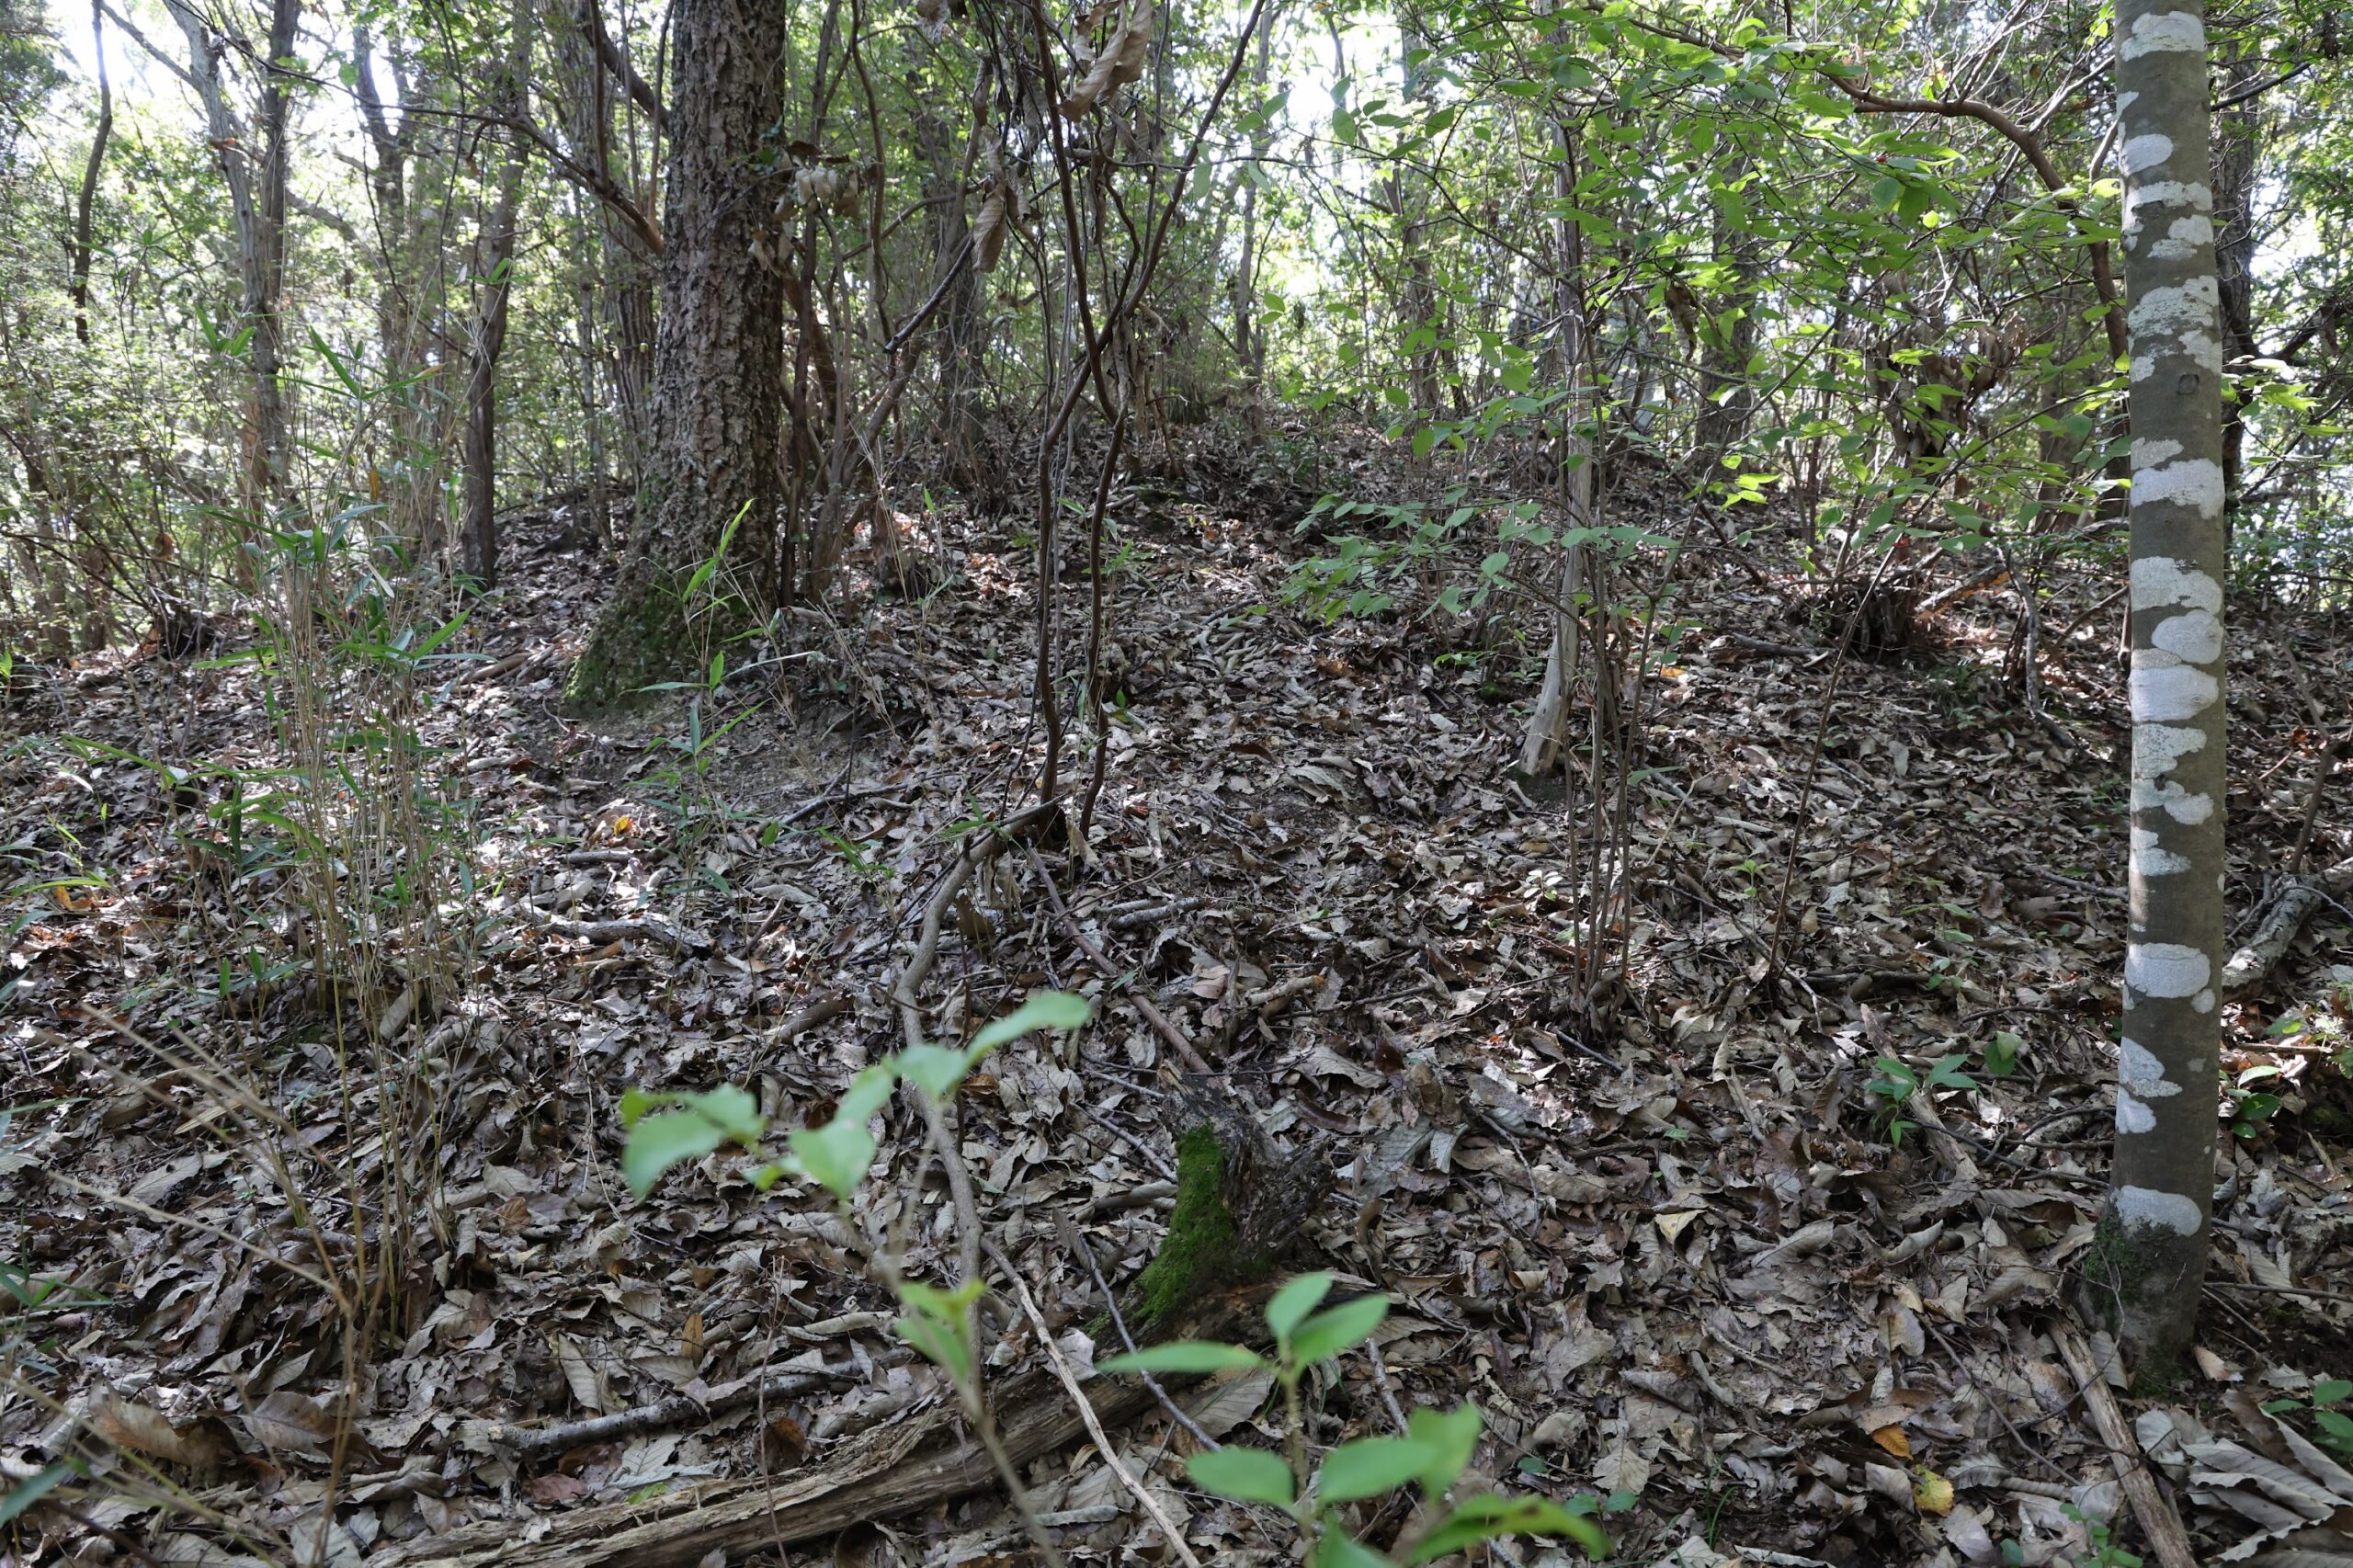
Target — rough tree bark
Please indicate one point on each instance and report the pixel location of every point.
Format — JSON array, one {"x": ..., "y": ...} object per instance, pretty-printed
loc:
[
  {"x": 718, "y": 402},
  {"x": 2151, "y": 1261},
  {"x": 252, "y": 163}
]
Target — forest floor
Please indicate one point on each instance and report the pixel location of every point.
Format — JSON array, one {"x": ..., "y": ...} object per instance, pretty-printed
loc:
[{"x": 1689, "y": 1255}]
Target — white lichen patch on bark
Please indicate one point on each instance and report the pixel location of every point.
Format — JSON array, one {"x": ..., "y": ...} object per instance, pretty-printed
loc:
[
  {"x": 2183, "y": 238},
  {"x": 2194, "y": 636},
  {"x": 2166, "y": 969},
  {"x": 2164, "y": 193},
  {"x": 2146, "y": 152},
  {"x": 2160, "y": 1210},
  {"x": 2138, "y": 1069},
  {"x": 2198, "y": 483},
  {"x": 2164, "y": 691},
  {"x": 2159, "y": 581},
  {"x": 2168, "y": 313},
  {"x": 2131, "y": 1116},
  {"x": 2151, "y": 858},
  {"x": 2167, "y": 32}
]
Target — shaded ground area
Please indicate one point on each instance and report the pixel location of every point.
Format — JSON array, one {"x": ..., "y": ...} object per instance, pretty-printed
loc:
[{"x": 1692, "y": 1254}]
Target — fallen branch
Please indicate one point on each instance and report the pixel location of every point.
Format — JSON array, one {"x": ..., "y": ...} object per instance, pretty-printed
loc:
[
  {"x": 1111, "y": 974},
  {"x": 2168, "y": 1539},
  {"x": 679, "y": 1410},
  {"x": 978, "y": 850},
  {"x": 832, "y": 1005},
  {"x": 645, "y": 928},
  {"x": 880, "y": 1474},
  {"x": 1168, "y": 1529},
  {"x": 2291, "y": 903}
]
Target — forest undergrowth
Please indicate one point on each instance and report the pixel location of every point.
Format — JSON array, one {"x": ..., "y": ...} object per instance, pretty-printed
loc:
[{"x": 317, "y": 1242}]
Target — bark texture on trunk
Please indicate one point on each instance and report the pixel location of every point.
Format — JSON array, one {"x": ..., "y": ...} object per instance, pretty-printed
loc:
[
  {"x": 717, "y": 400},
  {"x": 2151, "y": 1263},
  {"x": 84, "y": 206},
  {"x": 478, "y": 539},
  {"x": 253, "y": 166}
]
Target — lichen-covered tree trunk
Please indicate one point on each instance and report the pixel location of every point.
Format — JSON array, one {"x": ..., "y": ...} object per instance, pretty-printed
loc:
[
  {"x": 718, "y": 405},
  {"x": 2153, "y": 1234}
]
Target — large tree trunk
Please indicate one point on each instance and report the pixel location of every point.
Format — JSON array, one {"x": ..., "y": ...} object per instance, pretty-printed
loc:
[
  {"x": 718, "y": 403},
  {"x": 1727, "y": 332},
  {"x": 2151, "y": 1262}
]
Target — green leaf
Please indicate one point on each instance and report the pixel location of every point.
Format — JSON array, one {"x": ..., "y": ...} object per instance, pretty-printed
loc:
[
  {"x": 1247, "y": 1475},
  {"x": 33, "y": 1489},
  {"x": 2328, "y": 1390},
  {"x": 1046, "y": 1010},
  {"x": 935, "y": 1069},
  {"x": 1450, "y": 1436},
  {"x": 2335, "y": 1430},
  {"x": 1337, "y": 1549},
  {"x": 2002, "y": 1053},
  {"x": 1295, "y": 1300},
  {"x": 938, "y": 1343},
  {"x": 867, "y": 1093},
  {"x": 1371, "y": 1466},
  {"x": 835, "y": 1155},
  {"x": 667, "y": 1138},
  {"x": 636, "y": 1102},
  {"x": 730, "y": 1108},
  {"x": 1185, "y": 1356},
  {"x": 1329, "y": 1333},
  {"x": 1490, "y": 1516}
]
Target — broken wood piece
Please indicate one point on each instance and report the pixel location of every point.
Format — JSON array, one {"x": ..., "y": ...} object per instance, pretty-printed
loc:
[
  {"x": 877, "y": 1475},
  {"x": 2168, "y": 1539},
  {"x": 1153, "y": 913},
  {"x": 648, "y": 927},
  {"x": 679, "y": 1410},
  {"x": 1271, "y": 1000},
  {"x": 817, "y": 1010},
  {"x": 2274, "y": 933}
]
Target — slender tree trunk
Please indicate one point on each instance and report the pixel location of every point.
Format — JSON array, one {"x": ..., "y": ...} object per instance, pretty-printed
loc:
[
  {"x": 627, "y": 275},
  {"x": 83, "y": 207},
  {"x": 1727, "y": 334},
  {"x": 257, "y": 208},
  {"x": 2237, "y": 146},
  {"x": 479, "y": 536},
  {"x": 717, "y": 403},
  {"x": 1249, "y": 332},
  {"x": 1540, "y": 748},
  {"x": 2151, "y": 1262}
]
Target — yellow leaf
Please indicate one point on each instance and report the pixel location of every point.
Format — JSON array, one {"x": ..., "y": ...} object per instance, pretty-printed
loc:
[
  {"x": 1932, "y": 1492},
  {"x": 1892, "y": 1439},
  {"x": 1671, "y": 1226}
]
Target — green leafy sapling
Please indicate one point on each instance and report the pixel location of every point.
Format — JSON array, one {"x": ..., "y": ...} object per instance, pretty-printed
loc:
[
  {"x": 667, "y": 1128},
  {"x": 1432, "y": 1453}
]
